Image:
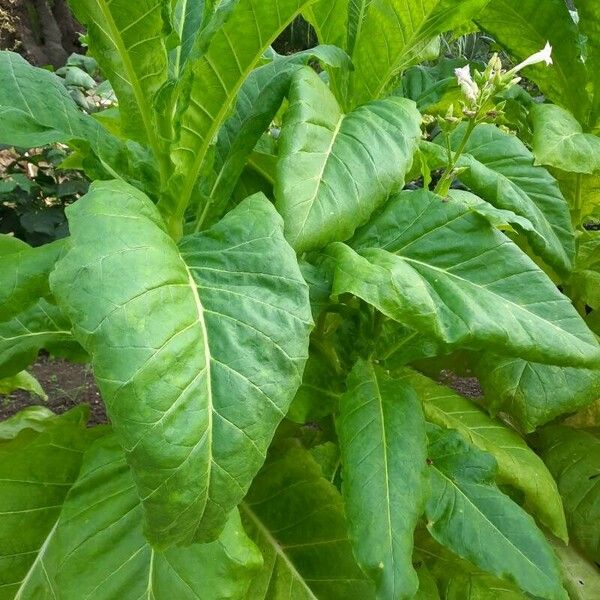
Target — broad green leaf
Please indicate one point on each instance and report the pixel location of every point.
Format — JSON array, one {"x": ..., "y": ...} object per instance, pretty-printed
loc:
[
  {"x": 187, "y": 23},
  {"x": 383, "y": 446},
  {"x": 523, "y": 27},
  {"x": 41, "y": 326},
  {"x": 458, "y": 579},
  {"x": 24, "y": 274},
  {"x": 329, "y": 19},
  {"x": 257, "y": 104},
  {"x": 468, "y": 514},
  {"x": 559, "y": 141},
  {"x": 394, "y": 34},
  {"x": 97, "y": 548},
  {"x": 22, "y": 381},
  {"x": 357, "y": 13},
  {"x": 128, "y": 41},
  {"x": 212, "y": 82},
  {"x": 518, "y": 465},
  {"x": 40, "y": 458},
  {"x": 500, "y": 169},
  {"x": 581, "y": 578},
  {"x": 36, "y": 109},
  {"x": 196, "y": 388},
  {"x": 534, "y": 394},
  {"x": 296, "y": 517},
  {"x": 584, "y": 284},
  {"x": 323, "y": 189},
  {"x": 573, "y": 457},
  {"x": 442, "y": 269}
]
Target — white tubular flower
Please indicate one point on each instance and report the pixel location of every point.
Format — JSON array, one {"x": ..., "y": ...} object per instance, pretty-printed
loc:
[
  {"x": 469, "y": 88},
  {"x": 544, "y": 55}
]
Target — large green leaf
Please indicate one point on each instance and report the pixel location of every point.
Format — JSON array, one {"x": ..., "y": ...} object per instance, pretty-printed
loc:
[
  {"x": 531, "y": 393},
  {"x": 41, "y": 326},
  {"x": 40, "y": 458},
  {"x": 523, "y": 27},
  {"x": 499, "y": 168},
  {"x": 442, "y": 269},
  {"x": 559, "y": 141},
  {"x": 393, "y": 36},
  {"x": 97, "y": 548},
  {"x": 467, "y": 513},
  {"x": 518, "y": 465},
  {"x": 573, "y": 457},
  {"x": 323, "y": 188},
  {"x": 212, "y": 82},
  {"x": 257, "y": 103},
  {"x": 584, "y": 284},
  {"x": 296, "y": 517},
  {"x": 36, "y": 109},
  {"x": 198, "y": 350},
  {"x": 383, "y": 447},
  {"x": 581, "y": 578},
  {"x": 129, "y": 42},
  {"x": 589, "y": 24},
  {"x": 188, "y": 17},
  {"x": 24, "y": 274}
]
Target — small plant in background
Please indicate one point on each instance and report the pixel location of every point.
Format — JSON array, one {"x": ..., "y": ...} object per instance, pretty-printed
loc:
[{"x": 272, "y": 266}]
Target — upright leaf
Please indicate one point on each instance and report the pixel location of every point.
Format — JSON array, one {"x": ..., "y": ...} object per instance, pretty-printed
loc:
[
  {"x": 500, "y": 169},
  {"x": 383, "y": 448},
  {"x": 187, "y": 22},
  {"x": 523, "y": 27},
  {"x": 335, "y": 169},
  {"x": 40, "y": 458},
  {"x": 394, "y": 34},
  {"x": 468, "y": 514},
  {"x": 534, "y": 394},
  {"x": 518, "y": 465},
  {"x": 212, "y": 82},
  {"x": 97, "y": 548},
  {"x": 128, "y": 41},
  {"x": 296, "y": 517},
  {"x": 442, "y": 269},
  {"x": 196, "y": 388},
  {"x": 573, "y": 457},
  {"x": 589, "y": 24}
]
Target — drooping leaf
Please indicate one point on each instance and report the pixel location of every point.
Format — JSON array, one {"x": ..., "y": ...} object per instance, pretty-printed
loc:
[
  {"x": 24, "y": 273},
  {"x": 531, "y": 393},
  {"x": 518, "y": 465},
  {"x": 22, "y": 381},
  {"x": 335, "y": 169},
  {"x": 383, "y": 447},
  {"x": 129, "y": 42},
  {"x": 442, "y": 269},
  {"x": 40, "y": 458},
  {"x": 581, "y": 578},
  {"x": 500, "y": 169},
  {"x": 468, "y": 514},
  {"x": 296, "y": 517},
  {"x": 211, "y": 83},
  {"x": 523, "y": 28},
  {"x": 573, "y": 457},
  {"x": 197, "y": 388},
  {"x": 41, "y": 326},
  {"x": 97, "y": 548},
  {"x": 559, "y": 141},
  {"x": 394, "y": 34},
  {"x": 36, "y": 109}
]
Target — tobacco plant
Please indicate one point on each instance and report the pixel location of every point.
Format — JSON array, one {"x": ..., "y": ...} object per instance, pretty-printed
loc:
[{"x": 275, "y": 259}]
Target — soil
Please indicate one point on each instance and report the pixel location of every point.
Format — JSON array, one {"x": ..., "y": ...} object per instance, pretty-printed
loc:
[{"x": 66, "y": 385}]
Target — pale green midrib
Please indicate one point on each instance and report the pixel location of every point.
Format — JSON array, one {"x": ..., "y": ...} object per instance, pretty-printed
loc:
[
  {"x": 264, "y": 531},
  {"x": 38, "y": 559},
  {"x": 150, "y": 588},
  {"x": 132, "y": 77},
  {"x": 190, "y": 181},
  {"x": 456, "y": 487},
  {"x": 181, "y": 25},
  {"x": 207, "y": 358}
]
